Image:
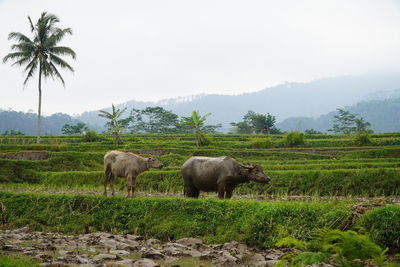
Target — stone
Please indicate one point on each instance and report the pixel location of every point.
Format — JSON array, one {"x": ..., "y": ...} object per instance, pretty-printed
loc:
[
  {"x": 153, "y": 241},
  {"x": 153, "y": 254},
  {"x": 125, "y": 262},
  {"x": 104, "y": 257},
  {"x": 256, "y": 259},
  {"x": 145, "y": 263},
  {"x": 119, "y": 252},
  {"x": 271, "y": 263},
  {"x": 191, "y": 242}
]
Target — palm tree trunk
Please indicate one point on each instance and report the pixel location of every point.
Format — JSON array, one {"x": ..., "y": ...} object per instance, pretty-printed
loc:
[{"x": 39, "y": 120}]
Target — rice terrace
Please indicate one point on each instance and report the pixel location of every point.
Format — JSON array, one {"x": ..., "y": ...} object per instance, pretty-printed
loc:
[{"x": 200, "y": 133}]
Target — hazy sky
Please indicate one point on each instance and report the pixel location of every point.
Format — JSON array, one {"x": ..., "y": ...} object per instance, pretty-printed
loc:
[{"x": 155, "y": 49}]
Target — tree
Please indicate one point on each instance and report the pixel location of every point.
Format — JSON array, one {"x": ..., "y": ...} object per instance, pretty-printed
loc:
[
  {"x": 344, "y": 122},
  {"x": 42, "y": 52},
  {"x": 196, "y": 122},
  {"x": 153, "y": 120},
  {"x": 115, "y": 125},
  {"x": 79, "y": 128},
  {"x": 256, "y": 123},
  {"x": 362, "y": 126}
]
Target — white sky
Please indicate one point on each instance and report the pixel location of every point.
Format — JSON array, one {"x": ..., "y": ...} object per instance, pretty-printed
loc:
[{"x": 155, "y": 49}]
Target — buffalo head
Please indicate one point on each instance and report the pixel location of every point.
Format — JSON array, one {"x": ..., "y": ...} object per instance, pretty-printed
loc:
[
  {"x": 154, "y": 163},
  {"x": 255, "y": 173}
]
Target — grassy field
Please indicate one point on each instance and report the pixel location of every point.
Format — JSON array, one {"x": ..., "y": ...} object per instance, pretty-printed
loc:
[{"x": 329, "y": 176}]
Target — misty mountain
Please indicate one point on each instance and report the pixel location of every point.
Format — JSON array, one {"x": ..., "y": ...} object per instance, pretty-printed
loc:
[
  {"x": 384, "y": 115},
  {"x": 26, "y": 122},
  {"x": 310, "y": 99}
]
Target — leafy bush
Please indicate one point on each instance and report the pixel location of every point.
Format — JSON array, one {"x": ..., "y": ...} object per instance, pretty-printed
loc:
[
  {"x": 293, "y": 139},
  {"x": 349, "y": 248},
  {"x": 362, "y": 139},
  {"x": 383, "y": 224},
  {"x": 91, "y": 136},
  {"x": 261, "y": 142}
]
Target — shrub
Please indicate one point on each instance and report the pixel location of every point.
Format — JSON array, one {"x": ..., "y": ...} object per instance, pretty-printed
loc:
[
  {"x": 362, "y": 139},
  {"x": 347, "y": 247},
  {"x": 91, "y": 136},
  {"x": 261, "y": 142},
  {"x": 383, "y": 224},
  {"x": 293, "y": 139}
]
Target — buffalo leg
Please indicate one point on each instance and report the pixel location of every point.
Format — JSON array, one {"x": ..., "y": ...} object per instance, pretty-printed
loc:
[
  {"x": 131, "y": 185},
  {"x": 105, "y": 186},
  {"x": 189, "y": 189},
  {"x": 228, "y": 192},
  {"x": 112, "y": 180}
]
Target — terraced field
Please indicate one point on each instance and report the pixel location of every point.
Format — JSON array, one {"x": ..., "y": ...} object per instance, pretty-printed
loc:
[{"x": 326, "y": 183}]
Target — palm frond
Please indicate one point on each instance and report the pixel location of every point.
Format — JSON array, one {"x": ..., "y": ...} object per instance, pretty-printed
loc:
[
  {"x": 15, "y": 55},
  {"x": 22, "y": 60},
  {"x": 32, "y": 66},
  {"x": 31, "y": 24},
  {"x": 57, "y": 35},
  {"x": 24, "y": 47},
  {"x": 19, "y": 37},
  {"x": 62, "y": 51},
  {"x": 56, "y": 73},
  {"x": 60, "y": 62}
]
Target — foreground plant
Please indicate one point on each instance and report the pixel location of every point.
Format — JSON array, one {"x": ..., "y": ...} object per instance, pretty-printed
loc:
[
  {"x": 339, "y": 248},
  {"x": 42, "y": 52},
  {"x": 115, "y": 124}
]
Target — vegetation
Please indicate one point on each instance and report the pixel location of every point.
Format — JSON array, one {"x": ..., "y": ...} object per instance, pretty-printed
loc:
[
  {"x": 79, "y": 128},
  {"x": 16, "y": 261},
  {"x": 115, "y": 124},
  {"x": 215, "y": 221},
  {"x": 196, "y": 122},
  {"x": 255, "y": 123},
  {"x": 42, "y": 52},
  {"x": 294, "y": 139},
  {"x": 347, "y": 248}
]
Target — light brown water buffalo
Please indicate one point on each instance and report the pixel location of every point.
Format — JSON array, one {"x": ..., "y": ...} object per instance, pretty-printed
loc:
[
  {"x": 219, "y": 175},
  {"x": 128, "y": 165}
]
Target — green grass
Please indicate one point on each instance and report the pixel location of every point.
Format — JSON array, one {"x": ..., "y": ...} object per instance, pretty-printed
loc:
[
  {"x": 16, "y": 261},
  {"x": 215, "y": 221}
]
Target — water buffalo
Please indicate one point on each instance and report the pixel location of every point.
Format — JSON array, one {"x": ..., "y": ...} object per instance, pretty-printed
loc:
[
  {"x": 219, "y": 175},
  {"x": 128, "y": 165}
]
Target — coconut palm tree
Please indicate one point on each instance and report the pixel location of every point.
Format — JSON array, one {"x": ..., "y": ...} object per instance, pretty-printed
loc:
[
  {"x": 41, "y": 53},
  {"x": 114, "y": 124},
  {"x": 195, "y": 122}
]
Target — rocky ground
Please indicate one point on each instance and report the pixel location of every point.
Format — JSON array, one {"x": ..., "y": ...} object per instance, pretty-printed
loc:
[{"x": 105, "y": 249}]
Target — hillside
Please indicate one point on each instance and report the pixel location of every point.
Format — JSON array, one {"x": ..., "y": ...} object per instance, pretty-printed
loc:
[
  {"x": 382, "y": 114},
  {"x": 310, "y": 99}
]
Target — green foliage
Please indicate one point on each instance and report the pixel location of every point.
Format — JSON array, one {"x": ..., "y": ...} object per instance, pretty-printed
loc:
[
  {"x": 344, "y": 122},
  {"x": 362, "y": 126},
  {"x": 383, "y": 224},
  {"x": 16, "y": 261},
  {"x": 41, "y": 53},
  {"x": 333, "y": 244},
  {"x": 13, "y": 133},
  {"x": 255, "y": 123},
  {"x": 91, "y": 136},
  {"x": 115, "y": 124},
  {"x": 79, "y": 128},
  {"x": 293, "y": 139},
  {"x": 153, "y": 120},
  {"x": 312, "y": 131},
  {"x": 196, "y": 122},
  {"x": 261, "y": 142},
  {"x": 362, "y": 139},
  {"x": 213, "y": 220}
]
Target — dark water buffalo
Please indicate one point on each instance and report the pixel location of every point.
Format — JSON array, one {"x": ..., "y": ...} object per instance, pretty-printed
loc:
[
  {"x": 128, "y": 165},
  {"x": 219, "y": 175}
]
